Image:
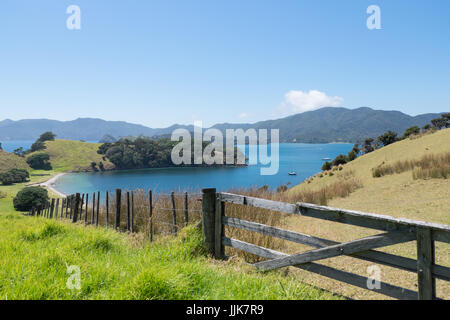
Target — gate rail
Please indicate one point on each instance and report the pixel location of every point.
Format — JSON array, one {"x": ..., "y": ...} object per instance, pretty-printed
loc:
[{"x": 396, "y": 230}]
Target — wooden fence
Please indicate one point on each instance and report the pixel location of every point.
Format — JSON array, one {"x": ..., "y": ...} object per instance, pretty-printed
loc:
[
  {"x": 78, "y": 208},
  {"x": 214, "y": 220},
  {"x": 395, "y": 231}
]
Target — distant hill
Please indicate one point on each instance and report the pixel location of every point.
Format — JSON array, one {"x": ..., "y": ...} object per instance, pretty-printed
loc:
[
  {"x": 319, "y": 126},
  {"x": 67, "y": 155},
  {"x": 338, "y": 124}
]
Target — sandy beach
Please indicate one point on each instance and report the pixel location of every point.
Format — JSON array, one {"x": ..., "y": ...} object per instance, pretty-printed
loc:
[{"x": 49, "y": 184}]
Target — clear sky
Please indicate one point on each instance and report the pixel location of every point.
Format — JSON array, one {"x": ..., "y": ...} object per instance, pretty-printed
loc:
[{"x": 162, "y": 62}]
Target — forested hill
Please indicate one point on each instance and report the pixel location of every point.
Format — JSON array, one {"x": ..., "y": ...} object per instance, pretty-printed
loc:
[{"x": 319, "y": 126}]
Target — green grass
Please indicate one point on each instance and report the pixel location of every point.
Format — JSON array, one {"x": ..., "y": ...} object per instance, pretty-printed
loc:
[
  {"x": 35, "y": 254},
  {"x": 69, "y": 155},
  {"x": 10, "y": 161}
]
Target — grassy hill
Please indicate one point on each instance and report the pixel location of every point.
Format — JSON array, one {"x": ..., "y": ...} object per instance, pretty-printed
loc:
[
  {"x": 397, "y": 195},
  {"x": 10, "y": 161},
  {"x": 69, "y": 155}
]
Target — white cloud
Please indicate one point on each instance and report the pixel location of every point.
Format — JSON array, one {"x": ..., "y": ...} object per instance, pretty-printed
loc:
[
  {"x": 243, "y": 115},
  {"x": 299, "y": 101}
]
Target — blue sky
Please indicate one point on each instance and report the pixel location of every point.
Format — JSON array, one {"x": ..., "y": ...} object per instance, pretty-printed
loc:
[{"x": 162, "y": 62}]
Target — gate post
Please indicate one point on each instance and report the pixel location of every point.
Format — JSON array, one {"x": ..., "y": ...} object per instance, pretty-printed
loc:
[{"x": 209, "y": 218}]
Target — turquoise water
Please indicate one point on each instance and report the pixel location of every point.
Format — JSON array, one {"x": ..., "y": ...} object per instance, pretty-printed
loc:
[
  {"x": 305, "y": 159},
  {"x": 10, "y": 146}
]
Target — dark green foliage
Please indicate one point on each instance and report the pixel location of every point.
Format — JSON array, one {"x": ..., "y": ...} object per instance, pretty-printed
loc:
[
  {"x": 282, "y": 188},
  {"x": 388, "y": 138},
  {"x": 351, "y": 156},
  {"x": 47, "y": 136},
  {"x": 326, "y": 166},
  {"x": 94, "y": 166},
  {"x": 340, "y": 159},
  {"x": 426, "y": 127},
  {"x": 1, "y": 148},
  {"x": 30, "y": 197},
  {"x": 101, "y": 166},
  {"x": 37, "y": 146},
  {"x": 14, "y": 176},
  {"x": 39, "y": 161},
  {"x": 411, "y": 131},
  {"x": 439, "y": 123},
  {"x": 368, "y": 145}
]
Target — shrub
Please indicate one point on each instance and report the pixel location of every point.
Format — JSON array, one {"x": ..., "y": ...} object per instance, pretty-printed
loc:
[
  {"x": 39, "y": 161},
  {"x": 340, "y": 159},
  {"x": 326, "y": 166},
  {"x": 30, "y": 197},
  {"x": 411, "y": 131},
  {"x": 388, "y": 138},
  {"x": 14, "y": 176},
  {"x": 37, "y": 146}
]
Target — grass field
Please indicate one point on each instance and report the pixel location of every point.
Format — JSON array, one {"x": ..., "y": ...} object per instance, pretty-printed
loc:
[
  {"x": 35, "y": 254},
  {"x": 68, "y": 155}
]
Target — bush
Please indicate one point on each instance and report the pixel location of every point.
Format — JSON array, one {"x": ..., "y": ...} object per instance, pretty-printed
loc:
[
  {"x": 37, "y": 146},
  {"x": 388, "y": 138},
  {"x": 14, "y": 176},
  {"x": 39, "y": 161},
  {"x": 340, "y": 159},
  {"x": 326, "y": 166},
  {"x": 30, "y": 197}
]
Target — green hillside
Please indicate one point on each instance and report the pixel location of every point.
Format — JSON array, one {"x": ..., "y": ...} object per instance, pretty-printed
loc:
[
  {"x": 76, "y": 156},
  {"x": 10, "y": 161}
]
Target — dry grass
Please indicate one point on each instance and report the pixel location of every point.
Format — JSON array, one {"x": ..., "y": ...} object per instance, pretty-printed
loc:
[{"x": 429, "y": 166}]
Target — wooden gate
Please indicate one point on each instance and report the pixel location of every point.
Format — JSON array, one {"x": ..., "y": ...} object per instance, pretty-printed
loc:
[{"x": 394, "y": 231}]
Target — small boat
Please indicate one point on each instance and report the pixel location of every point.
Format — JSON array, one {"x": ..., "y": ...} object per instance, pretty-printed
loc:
[
  {"x": 293, "y": 173},
  {"x": 326, "y": 159}
]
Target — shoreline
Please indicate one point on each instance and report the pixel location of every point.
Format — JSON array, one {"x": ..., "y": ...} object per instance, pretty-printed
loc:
[{"x": 49, "y": 184}]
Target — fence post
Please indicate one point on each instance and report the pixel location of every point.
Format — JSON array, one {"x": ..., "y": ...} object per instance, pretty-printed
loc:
[
  {"x": 98, "y": 209},
  {"x": 150, "y": 200},
  {"x": 87, "y": 208},
  {"x": 76, "y": 207},
  {"x": 128, "y": 210},
  {"x": 132, "y": 212},
  {"x": 425, "y": 262},
  {"x": 81, "y": 207},
  {"x": 56, "y": 208},
  {"x": 186, "y": 210},
  {"x": 219, "y": 228},
  {"x": 118, "y": 204},
  {"x": 93, "y": 208},
  {"x": 52, "y": 208},
  {"x": 107, "y": 209},
  {"x": 208, "y": 218},
  {"x": 174, "y": 214}
]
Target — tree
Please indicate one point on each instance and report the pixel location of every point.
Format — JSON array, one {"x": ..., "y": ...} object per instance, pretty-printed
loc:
[
  {"x": 439, "y": 123},
  {"x": 340, "y": 159},
  {"x": 14, "y": 176},
  {"x": 326, "y": 166},
  {"x": 352, "y": 156},
  {"x": 356, "y": 149},
  {"x": 388, "y": 138},
  {"x": 1, "y": 148},
  {"x": 39, "y": 161},
  {"x": 7, "y": 178},
  {"x": 30, "y": 197},
  {"x": 412, "y": 130},
  {"x": 446, "y": 117},
  {"x": 426, "y": 127},
  {"x": 47, "y": 136},
  {"x": 37, "y": 146},
  {"x": 367, "y": 147}
]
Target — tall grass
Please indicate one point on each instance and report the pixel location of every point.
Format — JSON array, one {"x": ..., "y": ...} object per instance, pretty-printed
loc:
[
  {"x": 429, "y": 166},
  {"x": 162, "y": 217}
]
